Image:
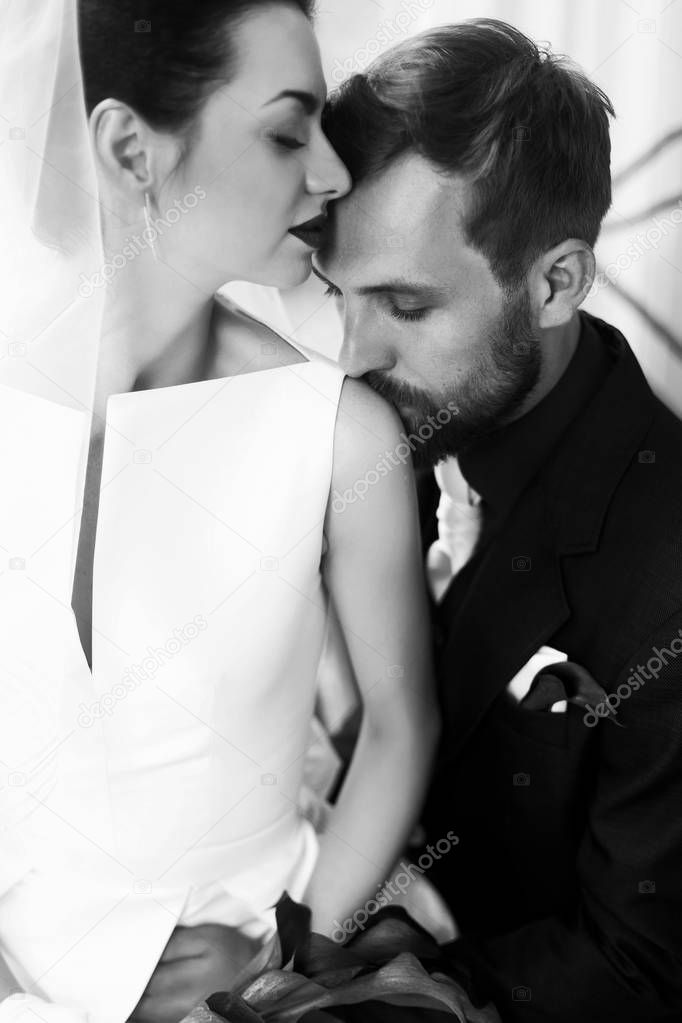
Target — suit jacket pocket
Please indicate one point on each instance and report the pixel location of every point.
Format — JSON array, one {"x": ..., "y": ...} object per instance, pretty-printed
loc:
[{"x": 537, "y": 725}]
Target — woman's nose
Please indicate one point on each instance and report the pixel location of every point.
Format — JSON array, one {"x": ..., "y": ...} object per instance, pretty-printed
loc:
[{"x": 327, "y": 174}]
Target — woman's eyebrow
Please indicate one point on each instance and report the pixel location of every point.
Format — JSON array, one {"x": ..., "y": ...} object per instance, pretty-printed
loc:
[{"x": 308, "y": 100}]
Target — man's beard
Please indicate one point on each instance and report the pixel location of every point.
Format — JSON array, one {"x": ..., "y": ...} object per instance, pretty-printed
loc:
[{"x": 440, "y": 425}]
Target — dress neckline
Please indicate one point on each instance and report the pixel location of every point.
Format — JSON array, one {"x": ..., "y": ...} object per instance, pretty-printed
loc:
[
  {"x": 223, "y": 300},
  {"x": 116, "y": 398},
  {"x": 207, "y": 380}
]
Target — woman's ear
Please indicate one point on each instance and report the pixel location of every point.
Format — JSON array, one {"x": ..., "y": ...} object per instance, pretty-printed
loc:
[
  {"x": 561, "y": 280},
  {"x": 132, "y": 156}
]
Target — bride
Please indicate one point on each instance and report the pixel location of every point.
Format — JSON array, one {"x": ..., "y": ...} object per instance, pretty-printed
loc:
[{"x": 172, "y": 548}]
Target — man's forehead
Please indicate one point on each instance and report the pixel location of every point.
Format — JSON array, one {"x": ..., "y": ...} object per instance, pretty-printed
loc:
[{"x": 409, "y": 205}]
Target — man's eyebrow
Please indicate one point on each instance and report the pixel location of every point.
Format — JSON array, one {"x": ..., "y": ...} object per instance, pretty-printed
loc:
[
  {"x": 396, "y": 286},
  {"x": 308, "y": 100}
]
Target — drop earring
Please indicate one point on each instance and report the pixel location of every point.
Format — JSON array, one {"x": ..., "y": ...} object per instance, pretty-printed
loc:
[{"x": 149, "y": 227}]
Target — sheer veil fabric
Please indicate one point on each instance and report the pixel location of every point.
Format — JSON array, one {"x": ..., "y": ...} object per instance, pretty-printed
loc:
[
  {"x": 49, "y": 335},
  {"x": 49, "y": 208},
  {"x": 49, "y": 340}
]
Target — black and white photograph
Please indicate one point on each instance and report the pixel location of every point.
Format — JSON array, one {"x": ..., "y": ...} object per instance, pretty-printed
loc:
[{"x": 340, "y": 511}]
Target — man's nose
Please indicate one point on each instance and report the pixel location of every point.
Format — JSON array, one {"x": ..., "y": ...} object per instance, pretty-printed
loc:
[{"x": 361, "y": 352}]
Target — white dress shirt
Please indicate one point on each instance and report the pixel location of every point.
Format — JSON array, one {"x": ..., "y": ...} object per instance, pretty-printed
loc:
[{"x": 459, "y": 525}]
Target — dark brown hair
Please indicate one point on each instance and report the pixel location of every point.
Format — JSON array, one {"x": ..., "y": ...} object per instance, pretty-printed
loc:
[
  {"x": 479, "y": 98},
  {"x": 163, "y": 58}
]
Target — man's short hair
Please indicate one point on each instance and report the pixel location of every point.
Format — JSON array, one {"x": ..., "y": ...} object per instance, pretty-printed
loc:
[{"x": 526, "y": 127}]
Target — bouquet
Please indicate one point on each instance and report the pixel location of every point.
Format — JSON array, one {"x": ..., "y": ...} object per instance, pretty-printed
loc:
[{"x": 392, "y": 972}]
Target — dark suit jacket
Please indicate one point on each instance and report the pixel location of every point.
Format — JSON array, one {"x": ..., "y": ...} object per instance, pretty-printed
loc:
[{"x": 566, "y": 882}]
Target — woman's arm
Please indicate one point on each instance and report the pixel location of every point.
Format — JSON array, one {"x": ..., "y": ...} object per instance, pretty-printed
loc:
[{"x": 374, "y": 572}]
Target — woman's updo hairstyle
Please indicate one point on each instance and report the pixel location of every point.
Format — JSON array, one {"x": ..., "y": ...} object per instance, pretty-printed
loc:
[{"x": 163, "y": 58}]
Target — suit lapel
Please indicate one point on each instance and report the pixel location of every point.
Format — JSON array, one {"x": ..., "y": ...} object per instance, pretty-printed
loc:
[{"x": 514, "y": 603}]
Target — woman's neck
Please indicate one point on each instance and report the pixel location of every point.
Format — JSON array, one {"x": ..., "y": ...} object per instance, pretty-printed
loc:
[{"x": 156, "y": 329}]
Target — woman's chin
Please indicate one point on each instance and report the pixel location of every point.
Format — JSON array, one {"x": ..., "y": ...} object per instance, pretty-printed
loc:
[
  {"x": 285, "y": 273},
  {"x": 298, "y": 276}
]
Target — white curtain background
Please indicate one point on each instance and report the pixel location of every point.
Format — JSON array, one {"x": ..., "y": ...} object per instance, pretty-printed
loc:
[{"x": 633, "y": 50}]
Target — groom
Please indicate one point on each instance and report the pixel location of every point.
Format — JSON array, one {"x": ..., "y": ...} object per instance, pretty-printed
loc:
[
  {"x": 552, "y": 541},
  {"x": 552, "y": 526}
]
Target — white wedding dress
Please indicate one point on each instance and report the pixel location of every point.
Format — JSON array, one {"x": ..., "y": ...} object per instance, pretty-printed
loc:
[{"x": 162, "y": 787}]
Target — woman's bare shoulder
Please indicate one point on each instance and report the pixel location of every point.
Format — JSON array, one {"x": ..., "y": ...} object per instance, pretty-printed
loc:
[
  {"x": 367, "y": 430},
  {"x": 363, "y": 412}
]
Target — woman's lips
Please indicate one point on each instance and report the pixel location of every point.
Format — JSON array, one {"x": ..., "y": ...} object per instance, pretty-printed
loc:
[{"x": 311, "y": 232}]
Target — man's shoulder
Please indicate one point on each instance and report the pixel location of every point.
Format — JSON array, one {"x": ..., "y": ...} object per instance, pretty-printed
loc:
[
  {"x": 650, "y": 493},
  {"x": 616, "y": 481},
  {"x": 666, "y": 429},
  {"x": 626, "y": 412},
  {"x": 635, "y": 469},
  {"x": 656, "y": 462}
]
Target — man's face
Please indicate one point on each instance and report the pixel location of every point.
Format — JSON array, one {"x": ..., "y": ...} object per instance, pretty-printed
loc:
[{"x": 426, "y": 323}]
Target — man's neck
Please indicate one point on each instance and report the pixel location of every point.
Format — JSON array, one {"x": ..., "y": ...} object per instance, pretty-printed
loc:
[{"x": 558, "y": 345}]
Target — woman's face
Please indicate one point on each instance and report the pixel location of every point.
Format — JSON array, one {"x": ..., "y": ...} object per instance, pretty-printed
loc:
[{"x": 260, "y": 158}]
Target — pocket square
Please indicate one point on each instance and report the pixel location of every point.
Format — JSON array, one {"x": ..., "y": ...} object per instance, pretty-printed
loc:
[
  {"x": 521, "y": 683},
  {"x": 570, "y": 683}
]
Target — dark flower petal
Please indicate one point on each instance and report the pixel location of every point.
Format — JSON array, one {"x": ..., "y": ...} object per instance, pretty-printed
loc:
[
  {"x": 293, "y": 926},
  {"x": 323, "y": 954},
  {"x": 331, "y": 978},
  {"x": 375, "y": 977},
  {"x": 283, "y": 997},
  {"x": 401, "y": 982},
  {"x": 474, "y": 1014},
  {"x": 321, "y": 1016},
  {"x": 275, "y": 992},
  {"x": 232, "y": 1008},
  {"x": 390, "y": 932},
  {"x": 268, "y": 958}
]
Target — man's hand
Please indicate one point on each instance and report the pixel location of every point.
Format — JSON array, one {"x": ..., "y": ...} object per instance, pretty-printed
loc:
[{"x": 196, "y": 962}]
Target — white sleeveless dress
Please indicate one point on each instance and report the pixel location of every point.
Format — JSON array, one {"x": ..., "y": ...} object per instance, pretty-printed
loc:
[{"x": 163, "y": 786}]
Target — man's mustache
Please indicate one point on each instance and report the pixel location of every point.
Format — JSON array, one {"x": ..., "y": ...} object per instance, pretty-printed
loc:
[{"x": 397, "y": 392}]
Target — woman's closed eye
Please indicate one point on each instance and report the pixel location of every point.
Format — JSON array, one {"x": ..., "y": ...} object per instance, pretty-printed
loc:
[
  {"x": 289, "y": 135},
  {"x": 288, "y": 142}
]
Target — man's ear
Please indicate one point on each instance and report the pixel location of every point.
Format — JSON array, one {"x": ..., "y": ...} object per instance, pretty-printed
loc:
[
  {"x": 132, "y": 156},
  {"x": 560, "y": 281}
]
